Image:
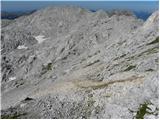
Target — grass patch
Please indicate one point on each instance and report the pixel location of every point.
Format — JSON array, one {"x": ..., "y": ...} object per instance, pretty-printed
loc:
[
  {"x": 130, "y": 68},
  {"x": 146, "y": 52},
  {"x": 46, "y": 68},
  {"x": 154, "y": 42},
  {"x": 142, "y": 110},
  {"x": 49, "y": 66},
  {"x": 150, "y": 51}
]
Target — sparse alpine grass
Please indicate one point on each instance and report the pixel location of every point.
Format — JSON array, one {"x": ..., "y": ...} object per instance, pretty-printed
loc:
[{"x": 154, "y": 42}]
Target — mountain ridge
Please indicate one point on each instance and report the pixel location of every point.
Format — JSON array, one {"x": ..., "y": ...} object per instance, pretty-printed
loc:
[{"x": 71, "y": 63}]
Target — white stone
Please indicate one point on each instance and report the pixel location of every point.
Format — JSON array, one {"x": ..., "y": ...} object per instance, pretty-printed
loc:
[
  {"x": 12, "y": 78},
  {"x": 40, "y": 38},
  {"x": 22, "y": 105},
  {"x": 22, "y": 47}
]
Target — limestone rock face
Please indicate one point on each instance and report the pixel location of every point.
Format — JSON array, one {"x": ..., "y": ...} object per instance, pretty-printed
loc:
[{"x": 68, "y": 62}]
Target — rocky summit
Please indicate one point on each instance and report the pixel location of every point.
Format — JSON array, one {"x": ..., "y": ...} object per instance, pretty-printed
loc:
[{"x": 69, "y": 62}]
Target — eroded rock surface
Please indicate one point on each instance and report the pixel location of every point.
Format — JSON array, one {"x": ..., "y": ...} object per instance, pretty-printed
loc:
[{"x": 68, "y": 62}]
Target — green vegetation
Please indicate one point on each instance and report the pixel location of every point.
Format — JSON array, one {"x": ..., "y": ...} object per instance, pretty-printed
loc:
[
  {"x": 130, "y": 67},
  {"x": 49, "y": 66},
  {"x": 46, "y": 68},
  {"x": 154, "y": 42},
  {"x": 149, "y": 51},
  {"x": 143, "y": 110},
  {"x": 152, "y": 50}
]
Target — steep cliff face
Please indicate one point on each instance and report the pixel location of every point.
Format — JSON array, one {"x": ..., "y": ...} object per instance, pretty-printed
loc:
[{"x": 68, "y": 62}]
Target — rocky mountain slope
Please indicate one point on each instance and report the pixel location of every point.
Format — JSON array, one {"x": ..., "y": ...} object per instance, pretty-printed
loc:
[{"x": 68, "y": 62}]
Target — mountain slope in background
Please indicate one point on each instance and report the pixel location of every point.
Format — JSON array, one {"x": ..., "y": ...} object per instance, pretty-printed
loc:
[
  {"x": 14, "y": 15},
  {"x": 69, "y": 62},
  {"x": 142, "y": 14}
]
